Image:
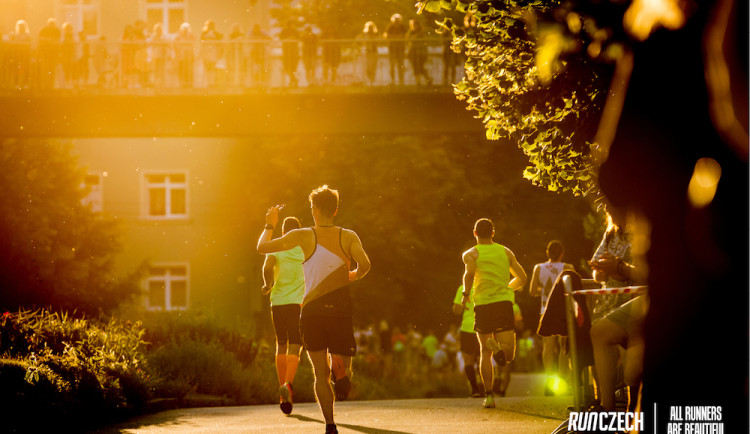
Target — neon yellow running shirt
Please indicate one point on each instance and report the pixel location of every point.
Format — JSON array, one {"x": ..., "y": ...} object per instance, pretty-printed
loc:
[
  {"x": 492, "y": 275},
  {"x": 289, "y": 279},
  {"x": 467, "y": 320}
]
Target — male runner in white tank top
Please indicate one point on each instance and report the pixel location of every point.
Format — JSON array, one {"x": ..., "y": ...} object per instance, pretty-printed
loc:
[
  {"x": 326, "y": 318},
  {"x": 543, "y": 278}
]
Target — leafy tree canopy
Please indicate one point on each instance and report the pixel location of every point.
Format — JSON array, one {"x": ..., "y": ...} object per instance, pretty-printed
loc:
[
  {"x": 55, "y": 251},
  {"x": 534, "y": 75}
]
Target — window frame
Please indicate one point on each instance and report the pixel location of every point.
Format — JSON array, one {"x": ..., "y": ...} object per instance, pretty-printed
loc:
[
  {"x": 75, "y": 14},
  {"x": 165, "y": 6},
  {"x": 169, "y": 186},
  {"x": 168, "y": 280},
  {"x": 95, "y": 196}
]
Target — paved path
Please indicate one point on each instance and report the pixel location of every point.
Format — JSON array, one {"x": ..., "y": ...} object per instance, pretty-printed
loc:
[{"x": 517, "y": 414}]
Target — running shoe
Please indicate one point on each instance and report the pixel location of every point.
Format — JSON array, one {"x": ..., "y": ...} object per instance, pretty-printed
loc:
[
  {"x": 341, "y": 382},
  {"x": 287, "y": 395},
  {"x": 497, "y": 352},
  {"x": 489, "y": 401},
  {"x": 331, "y": 429}
]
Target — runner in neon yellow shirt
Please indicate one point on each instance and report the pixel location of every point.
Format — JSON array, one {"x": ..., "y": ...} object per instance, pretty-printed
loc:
[
  {"x": 488, "y": 267},
  {"x": 284, "y": 279}
]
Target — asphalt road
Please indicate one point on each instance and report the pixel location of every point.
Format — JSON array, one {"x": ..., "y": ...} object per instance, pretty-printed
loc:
[{"x": 527, "y": 412}]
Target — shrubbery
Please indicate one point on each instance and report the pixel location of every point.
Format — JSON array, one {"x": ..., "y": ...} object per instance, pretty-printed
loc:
[
  {"x": 84, "y": 372},
  {"x": 71, "y": 370}
]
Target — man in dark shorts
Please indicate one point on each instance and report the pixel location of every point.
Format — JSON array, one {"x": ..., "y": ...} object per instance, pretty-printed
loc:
[
  {"x": 487, "y": 270},
  {"x": 284, "y": 279},
  {"x": 326, "y": 317}
]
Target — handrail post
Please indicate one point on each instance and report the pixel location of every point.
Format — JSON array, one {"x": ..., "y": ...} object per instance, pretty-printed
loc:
[{"x": 570, "y": 311}]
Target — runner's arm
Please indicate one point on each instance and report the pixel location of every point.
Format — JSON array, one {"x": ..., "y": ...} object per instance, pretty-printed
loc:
[
  {"x": 470, "y": 267},
  {"x": 358, "y": 254},
  {"x": 268, "y": 245},
  {"x": 519, "y": 276},
  {"x": 268, "y": 274},
  {"x": 534, "y": 288}
]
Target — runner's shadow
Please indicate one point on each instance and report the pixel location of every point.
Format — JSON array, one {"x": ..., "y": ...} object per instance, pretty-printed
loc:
[{"x": 358, "y": 428}]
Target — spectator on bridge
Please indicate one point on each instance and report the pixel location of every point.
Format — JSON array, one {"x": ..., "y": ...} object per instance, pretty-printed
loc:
[
  {"x": 395, "y": 33},
  {"x": 370, "y": 36},
  {"x": 157, "y": 42},
  {"x": 69, "y": 53},
  {"x": 258, "y": 42},
  {"x": 20, "y": 55},
  {"x": 236, "y": 55},
  {"x": 210, "y": 50},
  {"x": 418, "y": 52},
  {"x": 331, "y": 53},
  {"x": 184, "y": 54},
  {"x": 49, "y": 45},
  {"x": 309, "y": 54},
  {"x": 290, "y": 52}
]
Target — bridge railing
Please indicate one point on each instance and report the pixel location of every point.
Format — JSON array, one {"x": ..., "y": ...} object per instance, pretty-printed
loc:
[{"x": 225, "y": 66}]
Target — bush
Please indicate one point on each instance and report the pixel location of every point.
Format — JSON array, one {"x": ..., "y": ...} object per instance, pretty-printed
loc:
[{"x": 75, "y": 369}]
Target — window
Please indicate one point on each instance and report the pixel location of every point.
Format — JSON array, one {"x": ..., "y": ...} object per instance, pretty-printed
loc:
[
  {"x": 171, "y": 13},
  {"x": 92, "y": 183},
  {"x": 165, "y": 196},
  {"x": 167, "y": 287},
  {"x": 82, "y": 14}
]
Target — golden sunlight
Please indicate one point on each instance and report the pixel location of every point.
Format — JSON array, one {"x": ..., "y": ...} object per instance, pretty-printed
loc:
[
  {"x": 643, "y": 17},
  {"x": 704, "y": 182}
]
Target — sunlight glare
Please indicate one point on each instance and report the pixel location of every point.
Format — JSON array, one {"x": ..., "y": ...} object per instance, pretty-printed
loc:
[{"x": 703, "y": 184}]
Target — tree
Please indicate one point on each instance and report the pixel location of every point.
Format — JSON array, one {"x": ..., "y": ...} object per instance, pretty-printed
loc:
[
  {"x": 413, "y": 201},
  {"x": 530, "y": 81},
  {"x": 55, "y": 251}
]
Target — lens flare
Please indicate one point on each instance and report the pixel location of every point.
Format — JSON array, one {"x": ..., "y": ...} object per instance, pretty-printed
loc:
[{"x": 703, "y": 184}]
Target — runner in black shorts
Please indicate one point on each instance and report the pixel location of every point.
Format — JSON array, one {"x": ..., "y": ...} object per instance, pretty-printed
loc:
[{"x": 325, "y": 324}]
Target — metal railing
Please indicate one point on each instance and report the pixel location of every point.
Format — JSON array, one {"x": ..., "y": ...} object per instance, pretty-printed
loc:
[{"x": 225, "y": 66}]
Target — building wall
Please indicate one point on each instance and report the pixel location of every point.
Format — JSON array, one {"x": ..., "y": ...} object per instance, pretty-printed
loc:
[{"x": 214, "y": 239}]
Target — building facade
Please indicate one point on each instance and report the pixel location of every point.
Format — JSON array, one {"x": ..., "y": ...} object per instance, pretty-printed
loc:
[{"x": 184, "y": 210}]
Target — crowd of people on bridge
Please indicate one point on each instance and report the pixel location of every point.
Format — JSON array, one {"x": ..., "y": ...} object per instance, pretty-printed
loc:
[
  {"x": 308, "y": 273},
  {"x": 62, "y": 56}
]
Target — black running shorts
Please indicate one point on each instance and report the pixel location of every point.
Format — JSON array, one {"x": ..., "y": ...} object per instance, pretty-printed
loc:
[
  {"x": 336, "y": 334},
  {"x": 494, "y": 317},
  {"x": 286, "y": 323},
  {"x": 469, "y": 343}
]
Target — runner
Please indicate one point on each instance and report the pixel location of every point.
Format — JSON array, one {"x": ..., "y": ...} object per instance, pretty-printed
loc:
[
  {"x": 488, "y": 267},
  {"x": 326, "y": 316},
  {"x": 468, "y": 340},
  {"x": 284, "y": 279},
  {"x": 554, "y": 356}
]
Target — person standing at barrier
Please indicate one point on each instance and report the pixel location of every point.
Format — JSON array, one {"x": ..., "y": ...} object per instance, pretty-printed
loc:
[
  {"x": 488, "y": 267},
  {"x": 370, "y": 35},
  {"x": 395, "y": 34},
  {"x": 542, "y": 280},
  {"x": 326, "y": 315},
  {"x": 185, "y": 55},
  {"x": 289, "y": 37},
  {"x": 418, "y": 52},
  {"x": 284, "y": 279}
]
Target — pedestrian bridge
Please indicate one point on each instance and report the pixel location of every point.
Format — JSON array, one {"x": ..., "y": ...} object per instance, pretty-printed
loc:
[{"x": 141, "y": 90}]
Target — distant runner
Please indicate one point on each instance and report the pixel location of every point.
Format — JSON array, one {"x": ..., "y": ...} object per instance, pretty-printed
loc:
[
  {"x": 284, "y": 278},
  {"x": 554, "y": 356},
  {"x": 487, "y": 270},
  {"x": 326, "y": 317}
]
